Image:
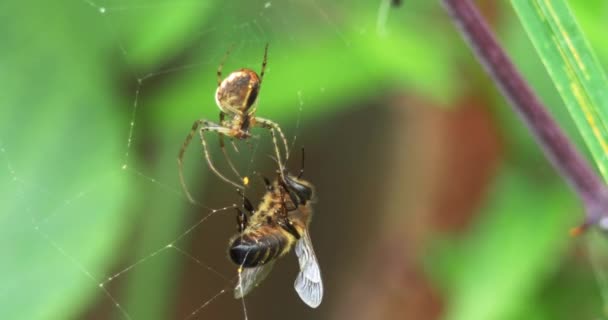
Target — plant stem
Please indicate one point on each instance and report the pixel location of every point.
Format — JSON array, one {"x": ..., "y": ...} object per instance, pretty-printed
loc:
[{"x": 556, "y": 145}]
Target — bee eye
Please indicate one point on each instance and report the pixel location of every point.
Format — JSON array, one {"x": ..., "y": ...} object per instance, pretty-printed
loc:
[{"x": 303, "y": 191}]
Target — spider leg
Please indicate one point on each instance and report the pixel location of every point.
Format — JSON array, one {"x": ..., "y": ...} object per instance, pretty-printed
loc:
[
  {"x": 180, "y": 157},
  {"x": 236, "y": 149},
  {"x": 272, "y": 126},
  {"x": 204, "y": 126},
  {"x": 227, "y": 157},
  {"x": 222, "y": 117},
  {"x": 221, "y": 66},
  {"x": 210, "y": 126},
  {"x": 276, "y": 150},
  {"x": 264, "y": 62}
]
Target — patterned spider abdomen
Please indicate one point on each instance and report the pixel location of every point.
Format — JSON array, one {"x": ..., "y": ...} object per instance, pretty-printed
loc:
[{"x": 238, "y": 91}]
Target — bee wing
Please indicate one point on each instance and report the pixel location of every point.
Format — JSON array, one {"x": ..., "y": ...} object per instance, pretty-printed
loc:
[
  {"x": 308, "y": 283},
  {"x": 249, "y": 278}
]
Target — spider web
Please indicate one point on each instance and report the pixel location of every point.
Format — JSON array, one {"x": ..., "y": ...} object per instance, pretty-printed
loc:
[{"x": 152, "y": 132}]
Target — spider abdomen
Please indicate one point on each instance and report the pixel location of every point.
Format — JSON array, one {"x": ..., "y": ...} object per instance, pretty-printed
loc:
[{"x": 238, "y": 91}]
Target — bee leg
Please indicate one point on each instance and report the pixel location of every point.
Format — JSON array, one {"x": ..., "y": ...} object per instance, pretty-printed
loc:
[
  {"x": 286, "y": 207},
  {"x": 288, "y": 226},
  {"x": 292, "y": 208},
  {"x": 267, "y": 183},
  {"x": 241, "y": 220},
  {"x": 246, "y": 203}
]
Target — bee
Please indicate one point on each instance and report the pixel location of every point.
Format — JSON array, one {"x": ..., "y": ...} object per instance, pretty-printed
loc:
[
  {"x": 236, "y": 97},
  {"x": 279, "y": 224}
]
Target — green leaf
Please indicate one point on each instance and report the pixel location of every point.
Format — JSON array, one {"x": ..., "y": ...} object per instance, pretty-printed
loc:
[
  {"x": 591, "y": 14},
  {"x": 576, "y": 73}
]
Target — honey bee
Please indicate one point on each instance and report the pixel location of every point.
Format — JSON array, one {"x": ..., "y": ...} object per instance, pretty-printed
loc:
[{"x": 279, "y": 224}]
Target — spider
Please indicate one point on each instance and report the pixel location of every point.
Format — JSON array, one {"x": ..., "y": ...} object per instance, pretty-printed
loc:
[{"x": 236, "y": 96}]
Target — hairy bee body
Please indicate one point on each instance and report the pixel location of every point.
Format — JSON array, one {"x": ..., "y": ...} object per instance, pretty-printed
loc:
[
  {"x": 278, "y": 225},
  {"x": 265, "y": 238}
]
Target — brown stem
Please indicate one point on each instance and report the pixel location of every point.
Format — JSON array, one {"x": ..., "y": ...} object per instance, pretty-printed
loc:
[{"x": 556, "y": 145}]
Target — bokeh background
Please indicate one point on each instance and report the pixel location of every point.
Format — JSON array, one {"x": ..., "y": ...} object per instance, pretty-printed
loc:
[{"x": 433, "y": 200}]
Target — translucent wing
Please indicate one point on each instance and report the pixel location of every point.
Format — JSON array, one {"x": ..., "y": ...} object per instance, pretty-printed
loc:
[
  {"x": 250, "y": 278},
  {"x": 308, "y": 284}
]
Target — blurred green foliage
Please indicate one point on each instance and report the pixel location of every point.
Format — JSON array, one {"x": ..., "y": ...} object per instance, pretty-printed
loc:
[
  {"x": 74, "y": 73},
  {"x": 60, "y": 138},
  {"x": 494, "y": 272}
]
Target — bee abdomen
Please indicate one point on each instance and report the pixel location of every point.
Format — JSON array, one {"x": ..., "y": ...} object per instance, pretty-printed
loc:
[{"x": 256, "y": 249}]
